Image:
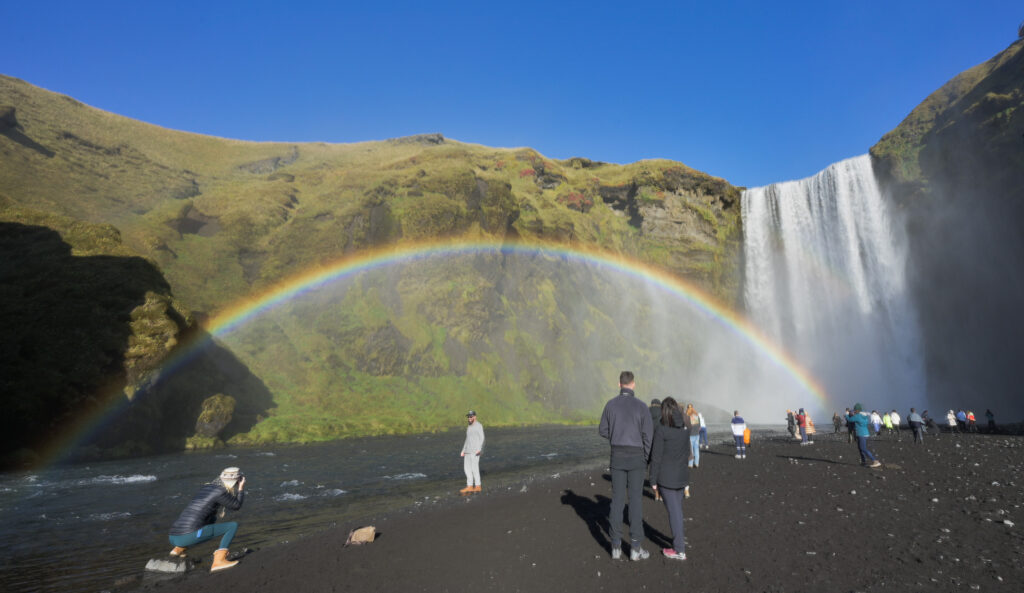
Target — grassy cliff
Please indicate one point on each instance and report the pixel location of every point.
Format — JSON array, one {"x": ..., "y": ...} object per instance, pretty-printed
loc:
[{"x": 221, "y": 220}]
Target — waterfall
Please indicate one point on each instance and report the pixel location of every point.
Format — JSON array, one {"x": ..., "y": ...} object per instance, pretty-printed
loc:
[{"x": 824, "y": 277}]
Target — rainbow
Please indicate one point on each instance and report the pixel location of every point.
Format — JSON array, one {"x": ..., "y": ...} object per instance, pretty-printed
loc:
[{"x": 249, "y": 308}]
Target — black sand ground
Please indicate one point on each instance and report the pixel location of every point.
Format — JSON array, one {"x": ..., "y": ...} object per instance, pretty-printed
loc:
[{"x": 945, "y": 516}]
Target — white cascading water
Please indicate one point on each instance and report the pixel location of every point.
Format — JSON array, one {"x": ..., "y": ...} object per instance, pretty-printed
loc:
[{"x": 825, "y": 278}]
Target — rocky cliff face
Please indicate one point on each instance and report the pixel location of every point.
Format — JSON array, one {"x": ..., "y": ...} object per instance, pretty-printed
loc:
[
  {"x": 219, "y": 221},
  {"x": 956, "y": 167}
]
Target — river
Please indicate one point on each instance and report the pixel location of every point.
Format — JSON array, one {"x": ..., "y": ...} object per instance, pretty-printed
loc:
[{"x": 84, "y": 528}]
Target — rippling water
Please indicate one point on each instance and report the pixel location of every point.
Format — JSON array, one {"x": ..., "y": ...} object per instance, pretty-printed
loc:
[{"x": 83, "y": 528}]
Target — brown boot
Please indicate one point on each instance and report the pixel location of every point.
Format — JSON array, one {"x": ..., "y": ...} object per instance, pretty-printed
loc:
[
  {"x": 466, "y": 490},
  {"x": 220, "y": 560},
  {"x": 178, "y": 551}
]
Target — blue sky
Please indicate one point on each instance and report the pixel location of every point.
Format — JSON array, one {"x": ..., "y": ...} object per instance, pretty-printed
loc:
[{"x": 754, "y": 92}]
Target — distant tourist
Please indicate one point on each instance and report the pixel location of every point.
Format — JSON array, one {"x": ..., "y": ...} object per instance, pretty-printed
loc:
[
  {"x": 850, "y": 427},
  {"x": 670, "y": 476},
  {"x": 198, "y": 522},
  {"x": 916, "y": 425},
  {"x": 703, "y": 431},
  {"x": 991, "y": 420},
  {"x": 837, "y": 422},
  {"x": 791, "y": 424},
  {"x": 971, "y": 422},
  {"x": 876, "y": 422},
  {"x": 471, "y": 450},
  {"x": 951, "y": 420},
  {"x": 655, "y": 409},
  {"x": 961, "y": 420},
  {"x": 738, "y": 426},
  {"x": 626, "y": 423},
  {"x": 887, "y": 423},
  {"x": 693, "y": 429},
  {"x": 929, "y": 422},
  {"x": 801, "y": 422},
  {"x": 895, "y": 419},
  {"x": 860, "y": 421},
  {"x": 811, "y": 431}
]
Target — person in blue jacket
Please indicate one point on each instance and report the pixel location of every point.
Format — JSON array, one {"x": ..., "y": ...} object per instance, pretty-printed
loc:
[{"x": 860, "y": 422}]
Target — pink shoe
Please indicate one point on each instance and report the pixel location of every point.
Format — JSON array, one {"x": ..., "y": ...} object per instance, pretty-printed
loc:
[{"x": 673, "y": 555}]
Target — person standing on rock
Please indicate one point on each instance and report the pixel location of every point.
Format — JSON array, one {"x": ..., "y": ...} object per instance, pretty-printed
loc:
[
  {"x": 198, "y": 522},
  {"x": 670, "y": 452},
  {"x": 916, "y": 425},
  {"x": 471, "y": 450},
  {"x": 738, "y": 427},
  {"x": 860, "y": 422},
  {"x": 626, "y": 423}
]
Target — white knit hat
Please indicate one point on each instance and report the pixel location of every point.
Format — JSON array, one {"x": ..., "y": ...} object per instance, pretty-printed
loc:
[{"x": 230, "y": 475}]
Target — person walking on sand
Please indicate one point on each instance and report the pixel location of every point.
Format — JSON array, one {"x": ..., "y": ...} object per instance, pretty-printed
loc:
[
  {"x": 961, "y": 420},
  {"x": 693, "y": 424},
  {"x": 670, "y": 451},
  {"x": 951, "y": 420},
  {"x": 894, "y": 417},
  {"x": 876, "y": 422},
  {"x": 850, "y": 428},
  {"x": 916, "y": 425},
  {"x": 198, "y": 522},
  {"x": 887, "y": 423},
  {"x": 626, "y": 423},
  {"x": 860, "y": 422},
  {"x": 471, "y": 450},
  {"x": 837, "y": 422},
  {"x": 971, "y": 422},
  {"x": 738, "y": 426}
]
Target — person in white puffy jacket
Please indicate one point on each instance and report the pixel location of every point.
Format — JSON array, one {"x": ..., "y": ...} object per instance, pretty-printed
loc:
[{"x": 738, "y": 426}]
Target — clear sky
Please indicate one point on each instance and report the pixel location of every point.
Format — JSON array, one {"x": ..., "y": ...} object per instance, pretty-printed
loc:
[{"x": 754, "y": 92}]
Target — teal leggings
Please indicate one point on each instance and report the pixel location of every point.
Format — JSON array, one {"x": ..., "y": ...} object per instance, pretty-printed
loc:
[{"x": 227, "y": 530}]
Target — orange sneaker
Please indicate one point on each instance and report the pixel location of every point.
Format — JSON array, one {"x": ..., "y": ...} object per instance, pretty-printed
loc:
[
  {"x": 466, "y": 490},
  {"x": 476, "y": 488}
]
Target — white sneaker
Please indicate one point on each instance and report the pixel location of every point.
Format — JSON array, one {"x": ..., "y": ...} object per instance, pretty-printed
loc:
[
  {"x": 738, "y": 456},
  {"x": 638, "y": 553},
  {"x": 744, "y": 456},
  {"x": 617, "y": 554}
]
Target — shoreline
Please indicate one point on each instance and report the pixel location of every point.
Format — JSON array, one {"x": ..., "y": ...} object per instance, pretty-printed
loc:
[{"x": 939, "y": 516}]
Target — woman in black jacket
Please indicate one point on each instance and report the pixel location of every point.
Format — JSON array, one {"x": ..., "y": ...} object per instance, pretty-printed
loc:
[
  {"x": 198, "y": 522},
  {"x": 670, "y": 453}
]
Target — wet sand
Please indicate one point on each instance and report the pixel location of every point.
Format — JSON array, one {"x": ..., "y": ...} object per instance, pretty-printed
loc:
[{"x": 945, "y": 516}]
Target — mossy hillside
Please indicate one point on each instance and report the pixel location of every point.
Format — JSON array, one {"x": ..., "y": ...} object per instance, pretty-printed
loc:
[{"x": 227, "y": 219}]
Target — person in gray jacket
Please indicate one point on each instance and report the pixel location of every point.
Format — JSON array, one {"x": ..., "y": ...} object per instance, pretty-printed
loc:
[{"x": 626, "y": 423}]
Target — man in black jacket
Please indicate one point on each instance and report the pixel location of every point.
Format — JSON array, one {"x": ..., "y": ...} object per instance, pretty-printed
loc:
[{"x": 626, "y": 423}]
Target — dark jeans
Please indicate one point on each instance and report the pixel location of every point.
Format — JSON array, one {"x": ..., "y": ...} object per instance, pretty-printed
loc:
[
  {"x": 227, "y": 530},
  {"x": 741, "y": 447},
  {"x": 862, "y": 442},
  {"x": 633, "y": 480},
  {"x": 803, "y": 434},
  {"x": 704, "y": 436},
  {"x": 918, "y": 433},
  {"x": 674, "y": 505}
]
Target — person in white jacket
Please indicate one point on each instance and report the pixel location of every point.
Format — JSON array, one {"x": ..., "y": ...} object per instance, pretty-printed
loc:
[
  {"x": 738, "y": 426},
  {"x": 471, "y": 450}
]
